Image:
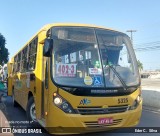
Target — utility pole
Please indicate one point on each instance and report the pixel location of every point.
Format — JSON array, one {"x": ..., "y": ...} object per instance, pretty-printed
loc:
[{"x": 131, "y": 31}]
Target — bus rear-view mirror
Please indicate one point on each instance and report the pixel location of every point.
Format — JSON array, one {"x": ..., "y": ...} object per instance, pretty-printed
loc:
[{"x": 47, "y": 48}]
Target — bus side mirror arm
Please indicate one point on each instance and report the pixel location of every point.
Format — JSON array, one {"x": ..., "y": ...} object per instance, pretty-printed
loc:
[{"x": 47, "y": 48}]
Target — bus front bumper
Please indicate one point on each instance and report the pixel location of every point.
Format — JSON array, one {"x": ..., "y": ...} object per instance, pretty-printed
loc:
[{"x": 76, "y": 123}]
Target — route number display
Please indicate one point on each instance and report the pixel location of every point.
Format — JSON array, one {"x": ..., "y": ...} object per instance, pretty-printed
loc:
[{"x": 66, "y": 70}]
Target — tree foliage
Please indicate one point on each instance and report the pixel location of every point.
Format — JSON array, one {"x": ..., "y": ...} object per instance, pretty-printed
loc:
[
  {"x": 3, "y": 50},
  {"x": 140, "y": 65}
]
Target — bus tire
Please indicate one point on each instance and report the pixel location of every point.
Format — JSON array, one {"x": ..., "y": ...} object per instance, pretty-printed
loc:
[
  {"x": 31, "y": 112},
  {"x": 15, "y": 104}
]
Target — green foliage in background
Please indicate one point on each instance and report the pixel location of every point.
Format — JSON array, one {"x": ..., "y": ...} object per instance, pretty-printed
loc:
[{"x": 3, "y": 50}]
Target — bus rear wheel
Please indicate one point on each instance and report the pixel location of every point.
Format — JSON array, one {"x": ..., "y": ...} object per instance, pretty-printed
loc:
[{"x": 31, "y": 112}]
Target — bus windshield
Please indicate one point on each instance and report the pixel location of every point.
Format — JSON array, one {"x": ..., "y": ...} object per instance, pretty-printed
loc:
[{"x": 92, "y": 57}]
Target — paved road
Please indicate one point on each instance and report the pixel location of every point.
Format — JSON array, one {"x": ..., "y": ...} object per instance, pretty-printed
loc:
[{"x": 149, "y": 119}]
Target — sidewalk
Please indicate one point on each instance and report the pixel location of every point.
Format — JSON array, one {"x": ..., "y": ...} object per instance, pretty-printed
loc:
[
  {"x": 4, "y": 123},
  {"x": 3, "y": 119}
]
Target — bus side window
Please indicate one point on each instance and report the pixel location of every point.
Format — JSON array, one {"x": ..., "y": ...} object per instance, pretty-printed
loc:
[
  {"x": 19, "y": 62},
  {"x": 15, "y": 64},
  {"x": 24, "y": 59},
  {"x": 32, "y": 54}
]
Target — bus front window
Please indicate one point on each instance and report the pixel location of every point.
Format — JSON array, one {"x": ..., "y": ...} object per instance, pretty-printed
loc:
[
  {"x": 91, "y": 57},
  {"x": 76, "y": 57},
  {"x": 118, "y": 59}
]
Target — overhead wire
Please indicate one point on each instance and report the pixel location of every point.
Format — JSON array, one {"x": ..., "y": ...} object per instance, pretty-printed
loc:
[{"x": 150, "y": 46}]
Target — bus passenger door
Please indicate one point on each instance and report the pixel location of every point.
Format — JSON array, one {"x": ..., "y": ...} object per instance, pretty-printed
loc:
[
  {"x": 45, "y": 92},
  {"x": 9, "y": 79}
]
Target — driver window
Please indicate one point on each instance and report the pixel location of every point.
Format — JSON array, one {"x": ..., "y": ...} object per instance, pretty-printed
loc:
[{"x": 124, "y": 60}]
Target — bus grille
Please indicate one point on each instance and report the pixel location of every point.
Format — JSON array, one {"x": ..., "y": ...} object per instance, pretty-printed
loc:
[
  {"x": 99, "y": 110},
  {"x": 94, "y": 124}
]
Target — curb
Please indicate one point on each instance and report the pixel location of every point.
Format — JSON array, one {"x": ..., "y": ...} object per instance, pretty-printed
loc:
[
  {"x": 151, "y": 97},
  {"x": 152, "y": 109}
]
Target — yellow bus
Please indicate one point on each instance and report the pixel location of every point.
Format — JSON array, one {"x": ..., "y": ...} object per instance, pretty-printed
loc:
[{"x": 77, "y": 78}]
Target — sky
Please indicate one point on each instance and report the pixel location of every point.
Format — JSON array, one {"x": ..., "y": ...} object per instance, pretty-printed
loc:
[{"x": 21, "y": 19}]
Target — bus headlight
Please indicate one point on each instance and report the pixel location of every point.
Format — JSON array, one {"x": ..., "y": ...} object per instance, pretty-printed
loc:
[
  {"x": 62, "y": 104},
  {"x": 136, "y": 103},
  {"x": 57, "y": 101}
]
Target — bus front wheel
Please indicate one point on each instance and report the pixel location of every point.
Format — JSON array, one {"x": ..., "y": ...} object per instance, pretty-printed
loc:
[{"x": 31, "y": 112}]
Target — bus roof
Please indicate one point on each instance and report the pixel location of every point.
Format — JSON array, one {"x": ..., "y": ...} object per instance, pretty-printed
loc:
[
  {"x": 77, "y": 24},
  {"x": 48, "y": 26}
]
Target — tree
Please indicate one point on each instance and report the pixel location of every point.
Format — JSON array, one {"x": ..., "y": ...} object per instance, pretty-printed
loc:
[
  {"x": 140, "y": 65},
  {"x": 3, "y": 50}
]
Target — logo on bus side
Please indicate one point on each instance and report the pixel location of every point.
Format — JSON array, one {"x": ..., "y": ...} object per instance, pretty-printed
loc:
[{"x": 84, "y": 101}]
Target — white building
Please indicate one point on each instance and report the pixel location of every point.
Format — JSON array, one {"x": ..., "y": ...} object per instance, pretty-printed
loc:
[
  {"x": 150, "y": 74},
  {"x": 3, "y": 72}
]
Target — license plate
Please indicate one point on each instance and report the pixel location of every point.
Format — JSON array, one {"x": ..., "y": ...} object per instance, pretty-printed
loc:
[{"x": 105, "y": 120}]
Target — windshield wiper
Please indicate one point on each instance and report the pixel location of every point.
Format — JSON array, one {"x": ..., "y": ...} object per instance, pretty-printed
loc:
[
  {"x": 114, "y": 70},
  {"x": 119, "y": 77}
]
